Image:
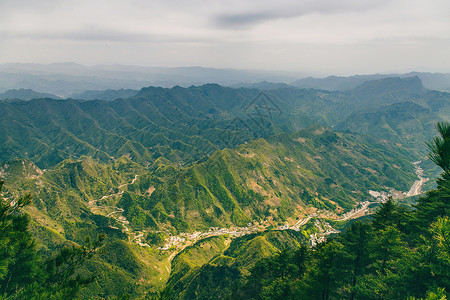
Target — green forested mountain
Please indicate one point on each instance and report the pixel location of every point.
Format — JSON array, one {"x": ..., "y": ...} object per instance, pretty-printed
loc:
[
  {"x": 266, "y": 181},
  {"x": 406, "y": 123},
  {"x": 399, "y": 254},
  {"x": 105, "y": 95},
  {"x": 61, "y": 216},
  {"x": 157, "y": 122},
  {"x": 279, "y": 177},
  {"x": 183, "y": 125},
  {"x": 386, "y": 91},
  {"x": 399, "y": 110},
  {"x": 161, "y": 170}
]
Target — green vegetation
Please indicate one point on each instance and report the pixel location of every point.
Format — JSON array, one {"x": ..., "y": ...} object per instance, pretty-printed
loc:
[
  {"x": 277, "y": 178},
  {"x": 212, "y": 269},
  {"x": 184, "y": 125},
  {"x": 25, "y": 273},
  {"x": 280, "y": 177},
  {"x": 142, "y": 170},
  {"x": 399, "y": 254}
]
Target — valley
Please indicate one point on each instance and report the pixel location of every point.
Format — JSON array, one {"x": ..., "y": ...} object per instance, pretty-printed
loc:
[
  {"x": 176, "y": 243},
  {"x": 182, "y": 181},
  {"x": 416, "y": 188},
  {"x": 179, "y": 242}
]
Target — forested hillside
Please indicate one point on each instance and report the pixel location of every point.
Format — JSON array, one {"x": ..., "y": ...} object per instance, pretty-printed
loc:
[
  {"x": 211, "y": 191},
  {"x": 185, "y": 124},
  {"x": 399, "y": 254}
]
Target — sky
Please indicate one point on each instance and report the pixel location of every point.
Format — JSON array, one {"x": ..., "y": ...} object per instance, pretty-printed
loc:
[{"x": 340, "y": 37}]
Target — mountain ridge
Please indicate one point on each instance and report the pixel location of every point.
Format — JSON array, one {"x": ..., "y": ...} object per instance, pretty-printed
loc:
[{"x": 25, "y": 94}]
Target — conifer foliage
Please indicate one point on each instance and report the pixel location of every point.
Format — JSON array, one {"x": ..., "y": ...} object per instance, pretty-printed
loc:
[{"x": 24, "y": 274}]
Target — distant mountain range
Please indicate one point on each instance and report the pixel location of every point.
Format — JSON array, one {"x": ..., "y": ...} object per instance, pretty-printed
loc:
[
  {"x": 70, "y": 79},
  {"x": 105, "y": 95},
  {"x": 434, "y": 81},
  {"x": 25, "y": 94},
  {"x": 67, "y": 79}
]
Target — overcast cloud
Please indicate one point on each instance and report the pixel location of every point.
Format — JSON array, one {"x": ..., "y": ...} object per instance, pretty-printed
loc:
[{"x": 317, "y": 36}]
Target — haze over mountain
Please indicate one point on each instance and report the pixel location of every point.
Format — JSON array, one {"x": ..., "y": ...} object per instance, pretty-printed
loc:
[
  {"x": 67, "y": 79},
  {"x": 105, "y": 95},
  {"x": 434, "y": 81},
  {"x": 25, "y": 94},
  {"x": 71, "y": 80}
]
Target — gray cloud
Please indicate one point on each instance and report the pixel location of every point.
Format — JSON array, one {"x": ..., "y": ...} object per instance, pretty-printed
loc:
[
  {"x": 279, "y": 34},
  {"x": 97, "y": 35},
  {"x": 243, "y": 20},
  {"x": 264, "y": 11}
]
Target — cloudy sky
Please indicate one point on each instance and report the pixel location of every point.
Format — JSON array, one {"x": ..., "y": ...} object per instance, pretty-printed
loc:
[{"x": 313, "y": 36}]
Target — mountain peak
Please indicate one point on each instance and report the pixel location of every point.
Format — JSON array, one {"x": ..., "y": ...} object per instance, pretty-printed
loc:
[{"x": 409, "y": 85}]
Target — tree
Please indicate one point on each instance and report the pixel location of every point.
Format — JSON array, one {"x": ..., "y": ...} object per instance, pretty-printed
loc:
[
  {"x": 441, "y": 231},
  {"x": 355, "y": 253},
  {"x": 441, "y": 265},
  {"x": 324, "y": 274},
  {"x": 18, "y": 259},
  {"x": 26, "y": 275},
  {"x": 440, "y": 147},
  {"x": 387, "y": 246},
  {"x": 390, "y": 214},
  {"x": 275, "y": 277}
]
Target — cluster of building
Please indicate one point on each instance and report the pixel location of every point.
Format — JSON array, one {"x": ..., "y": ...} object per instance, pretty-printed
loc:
[
  {"x": 174, "y": 241},
  {"x": 315, "y": 239}
]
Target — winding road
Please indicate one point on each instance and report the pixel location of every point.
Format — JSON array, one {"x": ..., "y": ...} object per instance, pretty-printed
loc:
[
  {"x": 100, "y": 209},
  {"x": 183, "y": 238}
]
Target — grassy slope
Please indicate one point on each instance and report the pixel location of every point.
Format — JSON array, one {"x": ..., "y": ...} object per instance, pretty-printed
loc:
[{"x": 212, "y": 266}]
